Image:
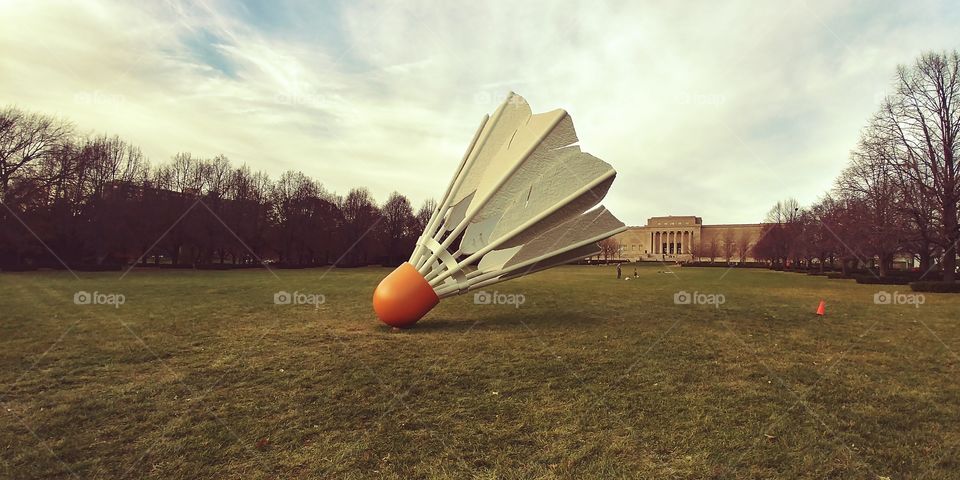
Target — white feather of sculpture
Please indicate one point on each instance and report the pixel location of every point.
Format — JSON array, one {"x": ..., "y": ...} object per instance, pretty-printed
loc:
[{"x": 522, "y": 200}]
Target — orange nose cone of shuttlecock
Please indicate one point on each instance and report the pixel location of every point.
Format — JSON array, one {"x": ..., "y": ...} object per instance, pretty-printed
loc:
[{"x": 403, "y": 297}]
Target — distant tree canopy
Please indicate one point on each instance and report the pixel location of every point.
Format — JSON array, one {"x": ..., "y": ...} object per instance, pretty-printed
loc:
[
  {"x": 609, "y": 248},
  {"x": 96, "y": 200},
  {"x": 900, "y": 192}
]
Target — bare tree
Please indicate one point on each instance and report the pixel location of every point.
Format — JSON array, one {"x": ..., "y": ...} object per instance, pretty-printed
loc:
[
  {"x": 920, "y": 223},
  {"x": 424, "y": 213},
  {"x": 743, "y": 245},
  {"x": 397, "y": 228},
  {"x": 826, "y": 218},
  {"x": 26, "y": 140},
  {"x": 360, "y": 214},
  {"x": 217, "y": 174},
  {"x": 870, "y": 179},
  {"x": 924, "y": 117},
  {"x": 292, "y": 195},
  {"x": 188, "y": 174},
  {"x": 778, "y": 240},
  {"x": 729, "y": 244},
  {"x": 609, "y": 248},
  {"x": 696, "y": 250}
]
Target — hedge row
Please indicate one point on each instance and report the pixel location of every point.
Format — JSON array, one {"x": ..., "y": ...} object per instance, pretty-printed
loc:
[
  {"x": 838, "y": 276},
  {"x": 935, "y": 287},
  {"x": 872, "y": 280},
  {"x": 726, "y": 265},
  {"x": 110, "y": 267}
]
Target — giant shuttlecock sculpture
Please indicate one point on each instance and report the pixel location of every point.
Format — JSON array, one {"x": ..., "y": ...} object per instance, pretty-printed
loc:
[{"x": 521, "y": 201}]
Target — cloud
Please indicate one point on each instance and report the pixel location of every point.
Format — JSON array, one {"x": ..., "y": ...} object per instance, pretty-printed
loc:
[{"x": 715, "y": 110}]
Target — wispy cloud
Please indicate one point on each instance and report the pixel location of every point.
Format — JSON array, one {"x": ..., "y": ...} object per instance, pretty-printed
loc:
[{"x": 710, "y": 109}]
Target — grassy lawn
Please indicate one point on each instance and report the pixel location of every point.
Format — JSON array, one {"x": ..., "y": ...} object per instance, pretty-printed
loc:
[{"x": 200, "y": 374}]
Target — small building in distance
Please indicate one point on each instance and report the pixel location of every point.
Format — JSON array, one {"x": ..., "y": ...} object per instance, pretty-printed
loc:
[{"x": 686, "y": 239}]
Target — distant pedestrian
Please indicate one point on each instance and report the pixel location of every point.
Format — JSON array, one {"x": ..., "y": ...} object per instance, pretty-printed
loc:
[
  {"x": 619, "y": 272},
  {"x": 635, "y": 272}
]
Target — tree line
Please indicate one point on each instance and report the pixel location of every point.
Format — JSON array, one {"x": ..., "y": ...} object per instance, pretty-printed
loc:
[
  {"x": 91, "y": 201},
  {"x": 96, "y": 200},
  {"x": 898, "y": 195}
]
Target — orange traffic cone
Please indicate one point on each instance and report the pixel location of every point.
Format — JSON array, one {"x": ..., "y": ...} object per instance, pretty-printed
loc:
[{"x": 822, "y": 308}]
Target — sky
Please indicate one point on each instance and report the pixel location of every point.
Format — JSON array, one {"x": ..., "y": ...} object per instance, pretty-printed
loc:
[{"x": 714, "y": 109}]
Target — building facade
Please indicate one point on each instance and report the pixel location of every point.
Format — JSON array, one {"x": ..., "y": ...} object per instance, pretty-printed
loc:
[{"x": 686, "y": 238}]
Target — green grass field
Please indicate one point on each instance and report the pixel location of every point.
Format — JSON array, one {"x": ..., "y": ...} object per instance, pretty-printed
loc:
[{"x": 200, "y": 374}]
